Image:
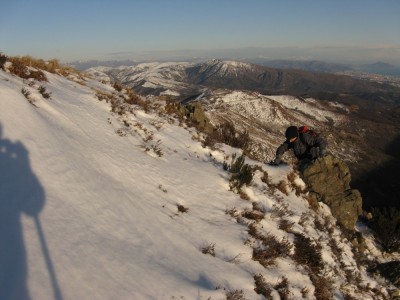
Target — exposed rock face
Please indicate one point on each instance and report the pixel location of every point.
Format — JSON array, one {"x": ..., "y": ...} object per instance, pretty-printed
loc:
[
  {"x": 328, "y": 180},
  {"x": 194, "y": 111}
]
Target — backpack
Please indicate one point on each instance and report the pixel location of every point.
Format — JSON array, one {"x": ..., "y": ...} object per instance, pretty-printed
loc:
[{"x": 305, "y": 129}]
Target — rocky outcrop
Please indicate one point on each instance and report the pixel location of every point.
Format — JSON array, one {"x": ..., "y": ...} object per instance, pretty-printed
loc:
[
  {"x": 194, "y": 112},
  {"x": 328, "y": 180}
]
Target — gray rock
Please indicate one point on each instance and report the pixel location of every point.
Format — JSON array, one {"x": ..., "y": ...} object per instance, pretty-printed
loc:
[
  {"x": 194, "y": 111},
  {"x": 328, "y": 180}
]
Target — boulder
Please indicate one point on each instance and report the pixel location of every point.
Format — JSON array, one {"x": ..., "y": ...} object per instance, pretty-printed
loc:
[
  {"x": 328, "y": 180},
  {"x": 194, "y": 111}
]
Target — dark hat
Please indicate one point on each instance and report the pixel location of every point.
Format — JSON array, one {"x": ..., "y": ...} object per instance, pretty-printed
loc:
[{"x": 291, "y": 132}]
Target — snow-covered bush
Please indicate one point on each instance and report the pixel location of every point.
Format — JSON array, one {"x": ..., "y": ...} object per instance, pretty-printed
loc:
[
  {"x": 241, "y": 173},
  {"x": 26, "y": 93},
  {"x": 42, "y": 90}
]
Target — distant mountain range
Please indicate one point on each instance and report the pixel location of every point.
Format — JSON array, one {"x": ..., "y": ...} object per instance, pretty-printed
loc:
[
  {"x": 379, "y": 68},
  {"x": 306, "y": 65},
  {"x": 186, "y": 80}
]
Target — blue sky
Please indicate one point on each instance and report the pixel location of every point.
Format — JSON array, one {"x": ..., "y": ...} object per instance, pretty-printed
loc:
[{"x": 122, "y": 29}]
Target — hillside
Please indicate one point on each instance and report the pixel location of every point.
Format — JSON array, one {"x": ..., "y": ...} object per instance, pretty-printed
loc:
[
  {"x": 175, "y": 78},
  {"x": 369, "y": 111},
  {"x": 109, "y": 196}
]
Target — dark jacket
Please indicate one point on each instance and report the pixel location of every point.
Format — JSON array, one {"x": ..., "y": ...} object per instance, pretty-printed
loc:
[{"x": 306, "y": 146}]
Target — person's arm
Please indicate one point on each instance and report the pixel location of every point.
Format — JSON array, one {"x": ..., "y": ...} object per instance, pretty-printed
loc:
[{"x": 280, "y": 151}]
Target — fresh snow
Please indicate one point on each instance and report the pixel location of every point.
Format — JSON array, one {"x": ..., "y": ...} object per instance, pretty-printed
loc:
[{"x": 108, "y": 225}]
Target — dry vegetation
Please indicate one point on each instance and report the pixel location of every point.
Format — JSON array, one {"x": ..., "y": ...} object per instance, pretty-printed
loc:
[
  {"x": 271, "y": 248},
  {"x": 28, "y": 67},
  {"x": 262, "y": 287},
  {"x": 209, "y": 249}
]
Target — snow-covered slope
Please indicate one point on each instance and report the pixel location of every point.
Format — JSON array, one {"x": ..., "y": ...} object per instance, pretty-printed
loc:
[
  {"x": 267, "y": 117},
  {"x": 150, "y": 78},
  {"x": 109, "y": 206}
]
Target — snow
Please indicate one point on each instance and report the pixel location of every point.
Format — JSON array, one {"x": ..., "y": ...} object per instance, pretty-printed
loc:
[
  {"x": 308, "y": 106},
  {"x": 104, "y": 220},
  {"x": 274, "y": 109}
]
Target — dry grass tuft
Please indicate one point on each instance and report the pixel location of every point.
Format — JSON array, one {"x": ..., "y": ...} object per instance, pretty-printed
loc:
[
  {"x": 29, "y": 67},
  {"x": 235, "y": 295},
  {"x": 283, "y": 187},
  {"x": 312, "y": 201},
  {"x": 282, "y": 287},
  {"x": 182, "y": 209},
  {"x": 307, "y": 253},
  {"x": 281, "y": 211},
  {"x": 209, "y": 249},
  {"x": 323, "y": 287},
  {"x": 262, "y": 287},
  {"x": 305, "y": 291},
  {"x": 272, "y": 249},
  {"x": 292, "y": 176},
  {"x": 265, "y": 178},
  {"x": 45, "y": 94},
  {"x": 286, "y": 225}
]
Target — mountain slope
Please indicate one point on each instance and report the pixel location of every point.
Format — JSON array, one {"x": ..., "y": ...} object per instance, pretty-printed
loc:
[
  {"x": 131, "y": 200},
  {"x": 184, "y": 80},
  {"x": 370, "y": 110}
]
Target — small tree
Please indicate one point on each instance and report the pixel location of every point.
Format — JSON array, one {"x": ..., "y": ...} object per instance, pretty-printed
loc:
[{"x": 242, "y": 174}]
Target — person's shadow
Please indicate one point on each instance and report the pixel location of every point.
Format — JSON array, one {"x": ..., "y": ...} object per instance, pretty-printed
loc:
[{"x": 20, "y": 192}]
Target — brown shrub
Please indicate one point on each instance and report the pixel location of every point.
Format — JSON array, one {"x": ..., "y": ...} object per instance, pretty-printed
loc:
[
  {"x": 323, "y": 287},
  {"x": 262, "y": 287},
  {"x": 307, "y": 253},
  {"x": 42, "y": 90},
  {"x": 182, "y": 209},
  {"x": 135, "y": 99},
  {"x": 312, "y": 201},
  {"x": 22, "y": 66},
  {"x": 209, "y": 249},
  {"x": 265, "y": 178},
  {"x": 292, "y": 180},
  {"x": 282, "y": 287},
  {"x": 280, "y": 211},
  {"x": 235, "y": 295},
  {"x": 286, "y": 225},
  {"x": 304, "y": 292},
  {"x": 23, "y": 69},
  {"x": 227, "y": 134},
  {"x": 273, "y": 248},
  {"x": 283, "y": 187},
  {"x": 103, "y": 95}
]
